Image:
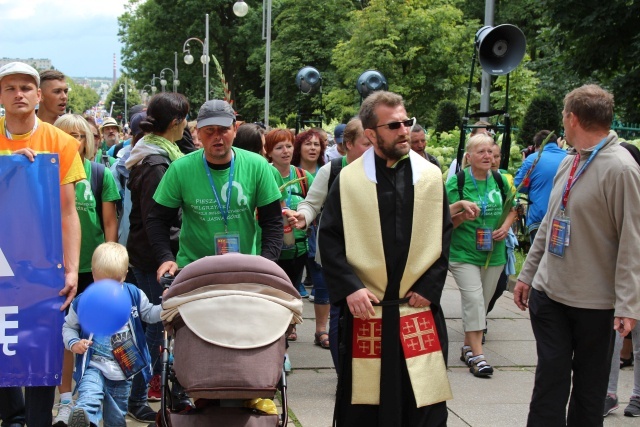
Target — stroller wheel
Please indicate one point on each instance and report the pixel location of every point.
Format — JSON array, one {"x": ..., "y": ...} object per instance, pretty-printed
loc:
[{"x": 162, "y": 421}]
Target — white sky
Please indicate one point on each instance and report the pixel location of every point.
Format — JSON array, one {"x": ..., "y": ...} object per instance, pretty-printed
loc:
[{"x": 79, "y": 36}]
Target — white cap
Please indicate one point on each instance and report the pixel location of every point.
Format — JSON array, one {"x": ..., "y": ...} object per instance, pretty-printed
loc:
[{"x": 20, "y": 68}]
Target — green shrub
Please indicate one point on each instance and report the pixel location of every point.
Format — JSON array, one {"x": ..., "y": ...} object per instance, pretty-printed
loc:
[
  {"x": 543, "y": 113},
  {"x": 447, "y": 116}
]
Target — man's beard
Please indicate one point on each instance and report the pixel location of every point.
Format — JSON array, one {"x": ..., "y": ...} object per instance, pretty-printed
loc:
[{"x": 392, "y": 151}]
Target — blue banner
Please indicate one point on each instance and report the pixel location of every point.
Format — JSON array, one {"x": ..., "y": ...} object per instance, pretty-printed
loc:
[{"x": 31, "y": 271}]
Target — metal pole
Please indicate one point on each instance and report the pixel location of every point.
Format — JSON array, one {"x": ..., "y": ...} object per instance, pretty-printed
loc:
[
  {"x": 126, "y": 119},
  {"x": 267, "y": 68},
  {"x": 485, "y": 92},
  {"x": 175, "y": 71},
  {"x": 206, "y": 49}
]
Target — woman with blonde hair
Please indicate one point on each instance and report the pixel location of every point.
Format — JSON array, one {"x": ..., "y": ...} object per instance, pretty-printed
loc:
[{"x": 478, "y": 252}]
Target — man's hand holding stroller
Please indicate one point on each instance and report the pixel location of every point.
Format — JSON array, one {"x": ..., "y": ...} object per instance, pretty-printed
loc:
[{"x": 167, "y": 267}]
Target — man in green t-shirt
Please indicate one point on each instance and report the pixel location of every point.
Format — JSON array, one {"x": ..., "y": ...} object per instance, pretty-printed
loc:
[{"x": 218, "y": 189}]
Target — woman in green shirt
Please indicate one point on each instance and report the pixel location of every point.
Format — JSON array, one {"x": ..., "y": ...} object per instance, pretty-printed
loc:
[
  {"x": 477, "y": 246},
  {"x": 293, "y": 183}
]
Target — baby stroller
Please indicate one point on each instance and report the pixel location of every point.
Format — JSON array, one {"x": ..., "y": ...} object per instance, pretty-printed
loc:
[{"x": 229, "y": 316}]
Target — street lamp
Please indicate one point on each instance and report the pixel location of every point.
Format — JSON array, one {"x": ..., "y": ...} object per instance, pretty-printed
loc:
[
  {"x": 153, "y": 84},
  {"x": 163, "y": 81},
  {"x": 111, "y": 109},
  {"x": 240, "y": 9},
  {"x": 188, "y": 58},
  {"x": 176, "y": 82},
  {"x": 125, "y": 90},
  {"x": 144, "y": 94}
]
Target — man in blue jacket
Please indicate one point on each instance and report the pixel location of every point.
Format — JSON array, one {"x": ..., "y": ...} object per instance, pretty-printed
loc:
[{"x": 540, "y": 181}]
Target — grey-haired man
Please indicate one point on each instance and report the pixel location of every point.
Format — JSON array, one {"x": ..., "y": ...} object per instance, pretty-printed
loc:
[{"x": 218, "y": 188}]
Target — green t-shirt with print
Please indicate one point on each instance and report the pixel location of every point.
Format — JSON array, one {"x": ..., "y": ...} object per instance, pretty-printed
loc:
[
  {"x": 463, "y": 241},
  {"x": 186, "y": 184},
  {"x": 92, "y": 233},
  {"x": 291, "y": 196}
]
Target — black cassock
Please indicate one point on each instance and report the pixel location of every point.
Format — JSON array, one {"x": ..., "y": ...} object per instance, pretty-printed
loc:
[{"x": 395, "y": 193}]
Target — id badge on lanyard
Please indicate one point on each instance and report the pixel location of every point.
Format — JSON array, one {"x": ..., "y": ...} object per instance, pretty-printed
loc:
[
  {"x": 227, "y": 243},
  {"x": 484, "y": 239},
  {"x": 560, "y": 235}
]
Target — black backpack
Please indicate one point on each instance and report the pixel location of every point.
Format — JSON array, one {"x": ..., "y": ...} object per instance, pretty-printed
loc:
[
  {"x": 633, "y": 150},
  {"x": 496, "y": 176},
  {"x": 336, "y": 167}
]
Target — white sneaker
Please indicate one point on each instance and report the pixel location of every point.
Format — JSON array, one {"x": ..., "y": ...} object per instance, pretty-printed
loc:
[{"x": 64, "y": 410}]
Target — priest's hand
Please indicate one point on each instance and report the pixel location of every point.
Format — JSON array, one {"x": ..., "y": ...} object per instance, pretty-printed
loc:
[
  {"x": 360, "y": 305},
  {"x": 417, "y": 300},
  {"x": 296, "y": 219}
]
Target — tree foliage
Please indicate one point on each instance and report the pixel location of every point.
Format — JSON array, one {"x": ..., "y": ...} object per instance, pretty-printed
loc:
[
  {"x": 153, "y": 30},
  {"x": 422, "y": 47},
  {"x": 600, "y": 42},
  {"x": 117, "y": 95},
  {"x": 81, "y": 98},
  {"x": 542, "y": 113},
  {"x": 422, "y": 51},
  {"x": 447, "y": 116}
]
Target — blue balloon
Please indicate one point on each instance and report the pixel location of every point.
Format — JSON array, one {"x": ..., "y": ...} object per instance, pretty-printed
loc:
[{"x": 104, "y": 307}]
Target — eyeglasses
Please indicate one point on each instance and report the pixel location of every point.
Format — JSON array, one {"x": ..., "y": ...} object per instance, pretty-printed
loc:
[
  {"x": 96, "y": 136},
  {"x": 396, "y": 125}
]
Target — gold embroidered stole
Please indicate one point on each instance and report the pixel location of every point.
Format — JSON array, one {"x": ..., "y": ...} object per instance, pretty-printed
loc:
[{"x": 365, "y": 254}]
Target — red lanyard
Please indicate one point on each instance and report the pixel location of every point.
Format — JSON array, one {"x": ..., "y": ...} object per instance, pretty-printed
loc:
[{"x": 567, "y": 188}]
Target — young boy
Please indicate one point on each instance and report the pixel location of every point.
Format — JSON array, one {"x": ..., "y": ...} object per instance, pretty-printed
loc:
[{"x": 103, "y": 375}]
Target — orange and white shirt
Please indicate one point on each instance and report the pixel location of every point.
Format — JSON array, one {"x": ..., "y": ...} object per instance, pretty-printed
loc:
[{"x": 47, "y": 139}]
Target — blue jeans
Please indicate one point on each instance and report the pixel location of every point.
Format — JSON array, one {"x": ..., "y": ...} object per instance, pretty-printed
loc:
[
  {"x": 99, "y": 395},
  {"x": 148, "y": 284},
  {"x": 317, "y": 278}
]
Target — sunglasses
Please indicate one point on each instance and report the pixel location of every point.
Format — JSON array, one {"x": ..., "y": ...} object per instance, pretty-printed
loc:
[{"x": 396, "y": 125}]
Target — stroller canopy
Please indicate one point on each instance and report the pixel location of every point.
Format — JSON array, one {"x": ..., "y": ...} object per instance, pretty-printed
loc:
[{"x": 233, "y": 300}]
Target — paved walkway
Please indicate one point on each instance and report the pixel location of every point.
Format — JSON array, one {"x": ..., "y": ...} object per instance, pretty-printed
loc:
[
  {"x": 502, "y": 400},
  {"x": 493, "y": 402}
]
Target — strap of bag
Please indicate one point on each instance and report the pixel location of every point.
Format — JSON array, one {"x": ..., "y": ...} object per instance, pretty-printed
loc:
[{"x": 97, "y": 180}]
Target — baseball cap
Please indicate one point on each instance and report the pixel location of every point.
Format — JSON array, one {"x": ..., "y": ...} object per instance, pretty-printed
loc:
[
  {"x": 109, "y": 121},
  {"x": 338, "y": 133},
  {"x": 135, "y": 122},
  {"x": 135, "y": 110},
  {"x": 216, "y": 112},
  {"x": 20, "y": 68}
]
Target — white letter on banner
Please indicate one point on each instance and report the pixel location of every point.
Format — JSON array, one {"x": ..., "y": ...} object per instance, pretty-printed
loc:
[
  {"x": 5, "y": 269},
  {"x": 5, "y": 340}
]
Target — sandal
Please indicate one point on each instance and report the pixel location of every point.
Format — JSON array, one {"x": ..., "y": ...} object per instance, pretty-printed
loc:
[
  {"x": 626, "y": 362},
  {"x": 466, "y": 354},
  {"x": 479, "y": 367},
  {"x": 324, "y": 343},
  {"x": 293, "y": 335}
]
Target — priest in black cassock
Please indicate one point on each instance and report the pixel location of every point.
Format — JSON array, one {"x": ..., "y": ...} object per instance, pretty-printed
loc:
[{"x": 384, "y": 242}]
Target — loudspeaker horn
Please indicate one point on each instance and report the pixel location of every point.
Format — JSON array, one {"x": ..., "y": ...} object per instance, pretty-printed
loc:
[
  {"x": 500, "y": 49},
  {"x": 371, "y": 81},
  {"x": 308, "y": 79}
]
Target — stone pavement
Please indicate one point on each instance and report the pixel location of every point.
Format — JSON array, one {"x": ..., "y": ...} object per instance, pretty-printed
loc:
[
  {"x": 502, "y": 400},
  {"x": 492, "y": 402}
]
